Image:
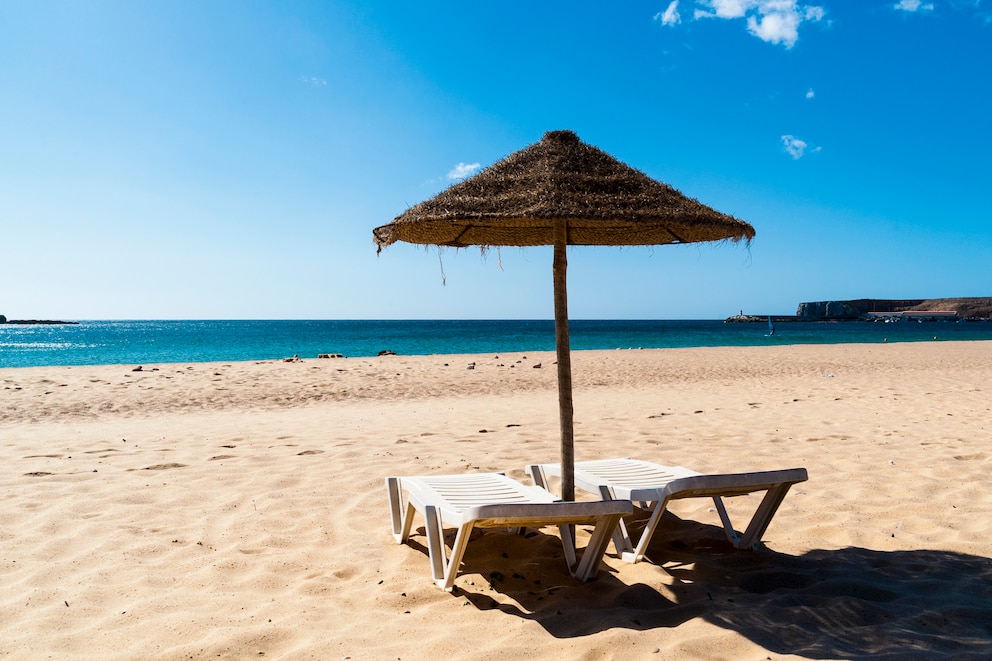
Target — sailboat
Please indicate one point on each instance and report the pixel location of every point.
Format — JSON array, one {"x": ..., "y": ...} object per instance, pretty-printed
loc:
[{"x": 771, "y": 327}]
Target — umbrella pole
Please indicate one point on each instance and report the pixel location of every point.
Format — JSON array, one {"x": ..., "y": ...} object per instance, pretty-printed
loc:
[{"x": 563, "y": 351}]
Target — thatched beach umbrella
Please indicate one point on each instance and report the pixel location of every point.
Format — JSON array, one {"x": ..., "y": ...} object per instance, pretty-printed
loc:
[{"x": 560, "y": 191}]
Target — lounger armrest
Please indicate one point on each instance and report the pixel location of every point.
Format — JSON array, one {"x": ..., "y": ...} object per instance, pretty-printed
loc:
[
  {"x": 725, "y": 485},
  {"x": 535, "y": 515}
]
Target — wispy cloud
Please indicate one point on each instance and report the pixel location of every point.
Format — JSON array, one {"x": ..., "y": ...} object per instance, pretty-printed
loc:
[
  {"x": 724, "y": 8},
  {"x": 913, "y": 6},
  {"x": 796, "y": 148},
  {"x": 772, "y": 21},
  {"x": 463, "y": 170},
  {"x": 810, "y": 93},
  {"x": 671, "y": 15},
  {"x": 315, "y": 81}
]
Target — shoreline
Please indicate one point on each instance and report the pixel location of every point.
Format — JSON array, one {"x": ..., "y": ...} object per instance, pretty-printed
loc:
[
  {"x": 150, "y": 365},
  {"x": 146, "y": 344},
  {"x": 40, "y": 392}
]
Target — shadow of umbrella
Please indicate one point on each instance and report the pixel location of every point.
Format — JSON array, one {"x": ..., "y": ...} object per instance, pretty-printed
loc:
[
  {"x": 850, "y": 603},
  {"x": 860, "y": 603},
  {"x": 561, "y": 192}
]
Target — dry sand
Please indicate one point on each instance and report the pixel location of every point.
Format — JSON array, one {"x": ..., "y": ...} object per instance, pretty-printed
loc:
[{"x": 238, "y": 510}]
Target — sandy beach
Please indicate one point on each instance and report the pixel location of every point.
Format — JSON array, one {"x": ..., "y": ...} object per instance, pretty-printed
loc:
[{"x": 237, "y": 510}]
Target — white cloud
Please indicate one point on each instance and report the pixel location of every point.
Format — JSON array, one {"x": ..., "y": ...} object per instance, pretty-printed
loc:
[
  {"x": 810, "y": 93},
  {"x": 729, "y": 8},
  {"x": 671, "y": 15},
  {"x": 775, "y": 28},
  {"x": 794, "y": 147},
  {"x": 463, "y": 170},
  {"x": 772, "y": 21},
  {"x": 913, "y": 6}
]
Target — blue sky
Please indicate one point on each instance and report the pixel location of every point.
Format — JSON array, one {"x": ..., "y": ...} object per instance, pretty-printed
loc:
[{"x": 213, "y": 160}]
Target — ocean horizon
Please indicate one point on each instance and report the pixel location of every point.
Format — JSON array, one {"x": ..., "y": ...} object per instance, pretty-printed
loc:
[{"x": 194, "y": 341}]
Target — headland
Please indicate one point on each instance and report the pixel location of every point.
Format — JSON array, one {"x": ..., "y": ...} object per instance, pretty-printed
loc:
[{"x": 876, "y": 309}]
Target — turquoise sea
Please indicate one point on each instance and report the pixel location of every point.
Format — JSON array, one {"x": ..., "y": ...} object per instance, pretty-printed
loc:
[{"x": 148, "y": 342}]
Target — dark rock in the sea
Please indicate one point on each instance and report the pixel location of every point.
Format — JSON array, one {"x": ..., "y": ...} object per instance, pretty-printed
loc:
[
  {"x": 37, "y": 322},
  {"x": 387, "y": 352},
  {"x": 761, "y": 318}
]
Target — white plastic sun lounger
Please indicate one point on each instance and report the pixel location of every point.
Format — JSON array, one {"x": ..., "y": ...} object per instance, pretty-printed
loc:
[
  {"x": 492, "y": 500},
  {"x": 651, "y": 487}
]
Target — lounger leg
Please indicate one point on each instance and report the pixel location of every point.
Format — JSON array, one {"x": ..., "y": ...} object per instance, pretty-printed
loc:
[
  {"x": 642, "y": 544},
  {"x": 763, "y": 516},
  {"x": 568, "y": 544},
  {"x": 536, "y": 472},
  {"x": 455, "y": 561},
  {"x": 435, "y": 543},
  {"x": 407, "y": 522},
  {"x": 751, "y": 538},
  {"x": 592, "y": 556},
  {"x": 400, "y": 532},
  {"x": 444, "y": 571},
  {"x": 728, "y": 527},
  {"x": 621, "y": 538},
  {"x": 540, "y": 479}
]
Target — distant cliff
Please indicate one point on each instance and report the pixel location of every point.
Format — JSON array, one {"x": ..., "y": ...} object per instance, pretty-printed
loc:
[{"x": 966, "y": 308}]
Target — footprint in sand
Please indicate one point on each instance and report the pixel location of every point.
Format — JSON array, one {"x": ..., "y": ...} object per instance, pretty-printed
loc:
[
  {"x": 160, "y": 467},
  {"x": 310, "y": 452}
]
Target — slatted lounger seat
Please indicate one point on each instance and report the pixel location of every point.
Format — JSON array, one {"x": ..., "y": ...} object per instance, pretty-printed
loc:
[
  {"x": 652, "y": 486},
  {"x": 492, "y": 500}
]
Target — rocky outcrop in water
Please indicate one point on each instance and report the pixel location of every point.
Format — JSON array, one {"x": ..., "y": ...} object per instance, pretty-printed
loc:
[{"x": 49, "y": 322}]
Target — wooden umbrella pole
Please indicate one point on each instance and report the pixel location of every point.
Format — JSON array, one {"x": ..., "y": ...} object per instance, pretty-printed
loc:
[{"x": 564, "y": 362}]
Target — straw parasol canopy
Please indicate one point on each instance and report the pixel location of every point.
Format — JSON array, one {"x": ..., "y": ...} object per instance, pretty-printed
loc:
[{"x": 560, "y": 192}]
